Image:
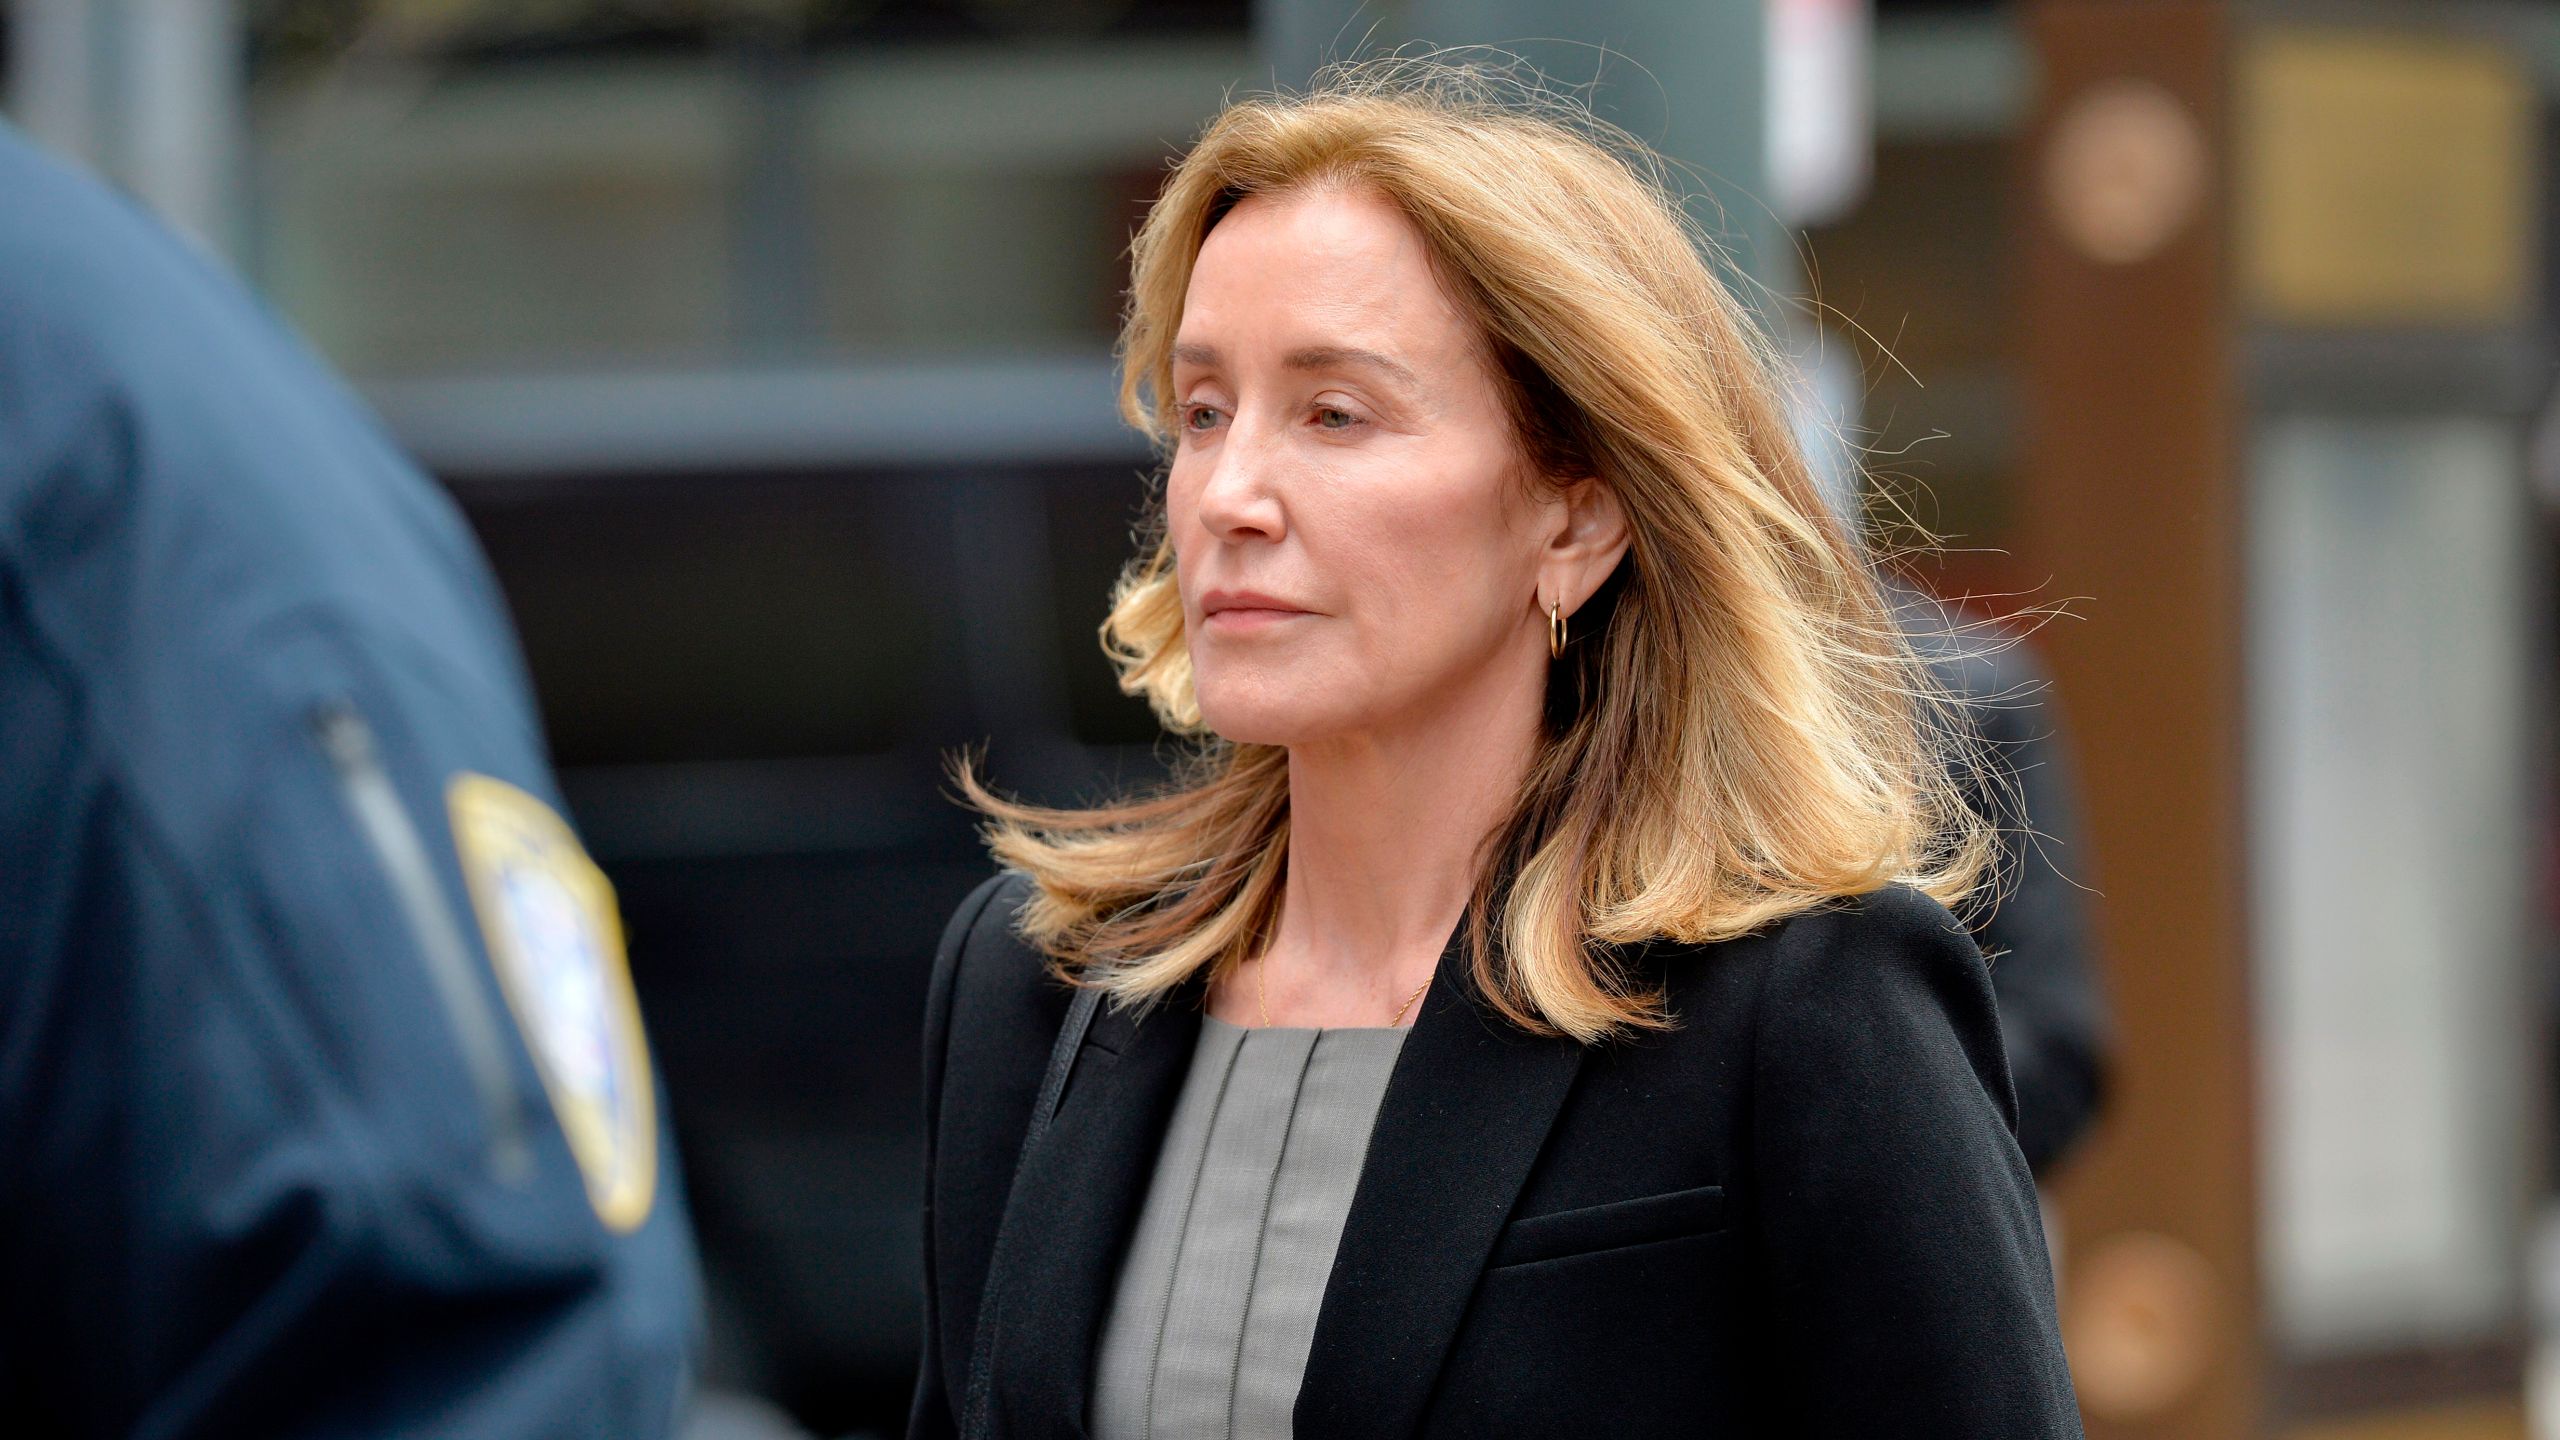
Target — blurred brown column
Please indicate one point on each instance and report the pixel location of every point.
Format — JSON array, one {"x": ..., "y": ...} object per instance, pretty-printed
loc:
[{"x": 2132, "y": 502}]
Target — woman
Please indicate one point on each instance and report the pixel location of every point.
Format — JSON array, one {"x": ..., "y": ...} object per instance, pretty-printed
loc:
[{"x": 1535, "y": 1012}]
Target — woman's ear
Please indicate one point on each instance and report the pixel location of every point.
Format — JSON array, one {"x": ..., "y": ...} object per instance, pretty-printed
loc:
[{"x": 1587, "y": 547}]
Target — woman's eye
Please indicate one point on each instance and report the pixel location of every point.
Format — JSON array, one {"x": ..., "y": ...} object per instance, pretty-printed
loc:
[{"x": 1199, "y": 417}]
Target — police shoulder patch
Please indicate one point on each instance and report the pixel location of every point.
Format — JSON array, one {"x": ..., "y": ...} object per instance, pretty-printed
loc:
[{"x": 555, "y": 939}]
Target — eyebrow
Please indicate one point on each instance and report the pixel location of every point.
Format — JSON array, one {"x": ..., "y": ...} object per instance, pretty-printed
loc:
[{"x": 1312, "y": 357}]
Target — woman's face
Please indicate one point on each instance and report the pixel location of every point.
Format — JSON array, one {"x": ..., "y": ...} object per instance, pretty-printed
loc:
[{"x": 1356, "y": 540}]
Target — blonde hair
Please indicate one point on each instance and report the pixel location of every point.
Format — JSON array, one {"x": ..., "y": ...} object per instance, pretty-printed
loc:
[{"x": 1738, "y": 731}]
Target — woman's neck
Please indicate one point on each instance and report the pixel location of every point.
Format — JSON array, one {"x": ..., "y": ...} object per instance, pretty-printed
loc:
[{"x": 1386, "y": 834}]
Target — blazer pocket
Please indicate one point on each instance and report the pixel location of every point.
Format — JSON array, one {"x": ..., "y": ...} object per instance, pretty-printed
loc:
[{"x": 1619, "y": 1223}]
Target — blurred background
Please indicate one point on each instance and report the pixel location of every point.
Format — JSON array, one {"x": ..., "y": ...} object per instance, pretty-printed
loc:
[{"x": 766, "y": 344}]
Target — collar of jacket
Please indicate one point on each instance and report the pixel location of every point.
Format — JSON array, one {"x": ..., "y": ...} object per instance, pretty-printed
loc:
[{"x": 1466, "y": 1111}]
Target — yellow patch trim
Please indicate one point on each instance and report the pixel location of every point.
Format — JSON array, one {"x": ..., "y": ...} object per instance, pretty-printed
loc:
[{"x": 518, "y": 857}]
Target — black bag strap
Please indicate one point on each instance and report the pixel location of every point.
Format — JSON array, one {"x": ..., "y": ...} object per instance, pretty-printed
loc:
[{"x": 1062, "y": 1059}]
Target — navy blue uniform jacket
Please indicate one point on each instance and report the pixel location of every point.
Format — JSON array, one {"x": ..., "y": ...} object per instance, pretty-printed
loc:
[{"x": 276, "y": 1156}]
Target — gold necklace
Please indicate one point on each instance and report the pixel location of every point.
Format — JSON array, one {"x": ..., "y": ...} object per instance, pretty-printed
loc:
[{"x": 1262, "y": 994}]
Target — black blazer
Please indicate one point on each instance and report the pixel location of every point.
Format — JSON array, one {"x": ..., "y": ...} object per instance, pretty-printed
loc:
[{"x": 1801, "y": 1213}]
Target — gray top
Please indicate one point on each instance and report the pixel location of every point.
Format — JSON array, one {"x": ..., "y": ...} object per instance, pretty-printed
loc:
[{"x": 1217, "y": 1301}]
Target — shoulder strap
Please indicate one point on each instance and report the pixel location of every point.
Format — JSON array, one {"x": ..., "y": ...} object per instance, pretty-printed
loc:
[{"x": 1062, "y": 1059}]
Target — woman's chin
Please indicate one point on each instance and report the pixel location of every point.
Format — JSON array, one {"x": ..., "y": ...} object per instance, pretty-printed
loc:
[
  {"x": 1258, "y": 730},
  {"x": 1267, "y": 718}
]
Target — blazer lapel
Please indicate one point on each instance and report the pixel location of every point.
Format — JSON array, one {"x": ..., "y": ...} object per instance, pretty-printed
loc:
[
  {"x": 1465, "y": 1114},
  {"x": 1073, "y": 1209}
]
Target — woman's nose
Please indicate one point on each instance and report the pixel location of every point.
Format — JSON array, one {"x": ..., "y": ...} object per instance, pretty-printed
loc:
[{"x": 1239, "y": 499}]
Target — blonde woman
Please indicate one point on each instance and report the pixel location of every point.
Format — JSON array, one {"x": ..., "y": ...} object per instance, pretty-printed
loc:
[{"x": 1536, "y": 1011}]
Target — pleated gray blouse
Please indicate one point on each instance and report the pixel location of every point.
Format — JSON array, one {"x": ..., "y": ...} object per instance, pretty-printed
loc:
[{"x": 1216, "y": 1304}]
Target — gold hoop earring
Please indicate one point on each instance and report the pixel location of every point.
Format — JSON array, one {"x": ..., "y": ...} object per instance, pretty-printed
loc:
[{"x": 1555, "y": 632}]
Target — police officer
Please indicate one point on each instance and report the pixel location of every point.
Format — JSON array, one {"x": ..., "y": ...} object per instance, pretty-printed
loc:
[{"x": 324, "y": 1106}]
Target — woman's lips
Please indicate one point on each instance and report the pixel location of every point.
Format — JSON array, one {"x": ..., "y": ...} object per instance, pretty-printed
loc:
[
  {"x": 1244, "y": 612},
  {"x": 1248, "y": 619}
]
